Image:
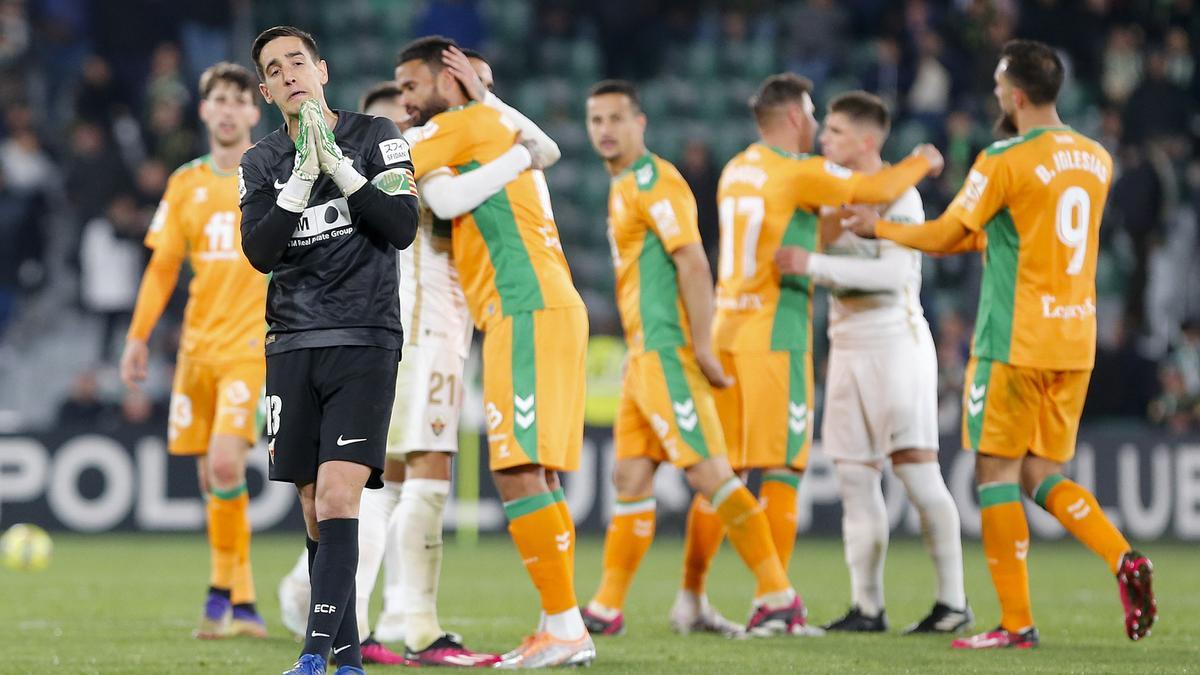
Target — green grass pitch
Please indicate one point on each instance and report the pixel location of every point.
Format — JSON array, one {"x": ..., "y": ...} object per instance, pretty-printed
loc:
[{"x": 127, "y": 604}]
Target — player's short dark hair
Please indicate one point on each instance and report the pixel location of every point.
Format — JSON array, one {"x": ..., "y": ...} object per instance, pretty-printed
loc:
[
  {"x": 473, "y": 54},
  {"x": 229, "y": 73},
  {"x": 427, "y": 49},
  {"x": 379, "y": 92},
  {"x": 275, "y": 32},
  {"x": 623, "y": 87},
  {"x": 863, "y": 107},
  {"x": 1034, "y": 68},
  {"x": 779, "y": 90}
]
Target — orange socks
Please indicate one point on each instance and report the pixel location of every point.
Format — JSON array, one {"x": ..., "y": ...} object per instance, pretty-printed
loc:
[
  {"x": 628, "y": 538},
  {"x": 1079, "y": 512},
  {"x": 560, "y": 503},
  {"x": 701, "y": 542},
  {"x": 226, "y": 512},
  {"x": 1005, "y": 545},
  {"x": 778, "y": 499},
  {"x": 750, "y": 535},
  {"x": 544, "y": 542}
]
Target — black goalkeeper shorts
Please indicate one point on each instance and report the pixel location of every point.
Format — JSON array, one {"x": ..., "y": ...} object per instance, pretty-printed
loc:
[{"x": 329, "y": 403}]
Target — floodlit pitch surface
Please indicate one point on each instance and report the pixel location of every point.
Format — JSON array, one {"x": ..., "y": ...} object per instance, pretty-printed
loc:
[{"x": 128, "y": 603}]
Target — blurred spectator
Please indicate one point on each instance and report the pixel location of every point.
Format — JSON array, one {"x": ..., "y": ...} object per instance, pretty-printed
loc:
[
  {"x": 205, "y": 32},
  {"x": 1178, "y": 404},
  {"x": 83, "y": 406},
  {"x": 929, "y": 97},
  {"x": 21, "y": 247},
  {"x": 170, "y": 139},
  {"x": 99, "y": 97},
  {"x": 111, "y": 262},
  {"x": 1136, "y": 208},
  {"x": 817, "y": 32},
  {"x": 26, "y": 165},
  {"x": 1181, "y": 62},
  {"x": 150, "y": 182},
  {"x": 953, "y": 343},
  {"x": 1123, "y": 381},
  {"x": 1158, "y": 107},
  {"x": 166, "y": 77},
  {"x": 702, "y": 175},
  {"x": 1122, "y": 64},
  {"x": 94, "y": 171},
  {"x": 886, "y": 75},
  {"x": 14, "y": 33}
]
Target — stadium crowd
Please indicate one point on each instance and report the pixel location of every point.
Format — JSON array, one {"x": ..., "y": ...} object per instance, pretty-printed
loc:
[{"x": 100, "y": 107}]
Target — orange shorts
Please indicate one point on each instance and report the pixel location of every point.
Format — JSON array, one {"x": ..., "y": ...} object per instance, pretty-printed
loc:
[
  {"x": 534, "y": 386},
  {"x": 1009, "y": 411},
  {"x": 213, "y": 397},
  {"x": 767, "y": 413},
  {"x": 666, "y": 412}
]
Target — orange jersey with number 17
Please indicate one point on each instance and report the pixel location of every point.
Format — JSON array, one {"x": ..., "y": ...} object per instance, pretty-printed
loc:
[{"x": 1040, "y": 197}]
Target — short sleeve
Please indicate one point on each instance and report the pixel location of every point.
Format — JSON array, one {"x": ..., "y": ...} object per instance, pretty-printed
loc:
[
  {"x": 166, "y": 232},
  {"x": 438, "y": 143},
  {"x": 821, "y": 182},
  {"x": 670, "y": 208},
  {"x": 389, "y": 159},
  {"x": 982, "y": 194}
]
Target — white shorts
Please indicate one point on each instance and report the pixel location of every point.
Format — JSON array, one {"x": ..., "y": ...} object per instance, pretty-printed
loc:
[
  {"x": 429, "y": 398},
  {"x": 881, "y": 400}
]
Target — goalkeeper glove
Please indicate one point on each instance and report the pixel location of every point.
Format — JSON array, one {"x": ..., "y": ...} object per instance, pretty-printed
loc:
[
  {"x": 339, "y": 167},
  {"x": 307, "y": 165}
]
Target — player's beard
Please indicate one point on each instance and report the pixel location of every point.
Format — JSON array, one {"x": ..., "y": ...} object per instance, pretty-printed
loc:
[
  {"x": 1006, "y": 126},
  {"x": 433, "y": 106}
]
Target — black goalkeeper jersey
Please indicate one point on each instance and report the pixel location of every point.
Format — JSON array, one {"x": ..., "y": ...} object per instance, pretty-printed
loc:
[{"x": 334, "y": 278}]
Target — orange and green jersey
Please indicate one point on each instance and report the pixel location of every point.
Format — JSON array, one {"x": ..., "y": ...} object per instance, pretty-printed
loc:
[
  {"x": 1040, "y": 198},
  {"x": 507, "y": 250},
  {"x": 651, "y": 214},
  {"x": 769, "y": 198},
  {"x": 199, "y": 219}
]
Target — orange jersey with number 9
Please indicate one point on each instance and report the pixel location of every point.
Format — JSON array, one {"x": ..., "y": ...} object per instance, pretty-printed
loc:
[
  {"x": 199, "y": 218},
  {"x": 1040, "y": 198}
]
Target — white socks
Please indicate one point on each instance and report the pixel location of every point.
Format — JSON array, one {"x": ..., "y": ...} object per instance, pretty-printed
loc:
[
  {"x": 374, "y": 511},
  {"x": 566, "y": 625},
  {"x": 939, "y": 527},
  {"x": 864, "y": 532},
  {"x": 420, "y": 543}
]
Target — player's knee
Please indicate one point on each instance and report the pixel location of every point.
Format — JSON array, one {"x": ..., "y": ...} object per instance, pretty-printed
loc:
[
  {"x": 707, "y": 476},
  {"x": 634, "y": 478}
]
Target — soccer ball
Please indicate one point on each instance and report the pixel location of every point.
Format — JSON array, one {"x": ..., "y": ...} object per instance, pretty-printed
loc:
[{"x": 26, "y": 547}]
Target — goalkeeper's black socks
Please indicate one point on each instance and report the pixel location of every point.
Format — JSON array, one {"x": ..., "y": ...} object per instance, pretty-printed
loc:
[{"x": 332, "y": 581}]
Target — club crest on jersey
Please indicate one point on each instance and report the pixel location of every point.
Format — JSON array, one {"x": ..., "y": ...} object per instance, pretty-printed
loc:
[
  {"x": 438, "y": 425},
  {"x": 394, "y": 151}
]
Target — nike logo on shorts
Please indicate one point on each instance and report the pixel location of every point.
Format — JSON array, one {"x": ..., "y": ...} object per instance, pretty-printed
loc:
[
  {"x": 316, "y": 634},
  {"x": 280, "y": 186},
  {"x": 339, "y": 650},
  {"x": 347, "y": 441}
]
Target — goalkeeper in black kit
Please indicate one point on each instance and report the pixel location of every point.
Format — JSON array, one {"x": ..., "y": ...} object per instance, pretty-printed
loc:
[{"x": 326, "y": 200}]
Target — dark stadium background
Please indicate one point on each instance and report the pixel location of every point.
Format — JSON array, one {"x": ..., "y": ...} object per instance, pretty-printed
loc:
[{"x": 99, "y": 106}]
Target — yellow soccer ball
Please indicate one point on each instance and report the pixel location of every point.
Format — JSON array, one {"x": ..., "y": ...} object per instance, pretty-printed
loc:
[{"x": 26, "y": 547}]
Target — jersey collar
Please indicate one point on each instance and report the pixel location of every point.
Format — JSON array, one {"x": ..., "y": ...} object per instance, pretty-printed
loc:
[{"x": 784, "y": 153}]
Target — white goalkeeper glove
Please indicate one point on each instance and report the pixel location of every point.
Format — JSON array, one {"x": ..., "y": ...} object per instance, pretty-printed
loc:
[{"x": 339, "y": 167}]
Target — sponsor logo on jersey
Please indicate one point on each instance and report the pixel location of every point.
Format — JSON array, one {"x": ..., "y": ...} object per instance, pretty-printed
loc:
[
  {"x": 323, "y": 221},
  {"x": 160, "y": 215},
  {"x": 200, "y": 195},
  {"x": 241, "y": 184},
  {"x": 664, "y": 218},
  {"x": 972, "y": 190},
  {"x": 394, "y": 151},
  {"x": 1052, "y": 310}
]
